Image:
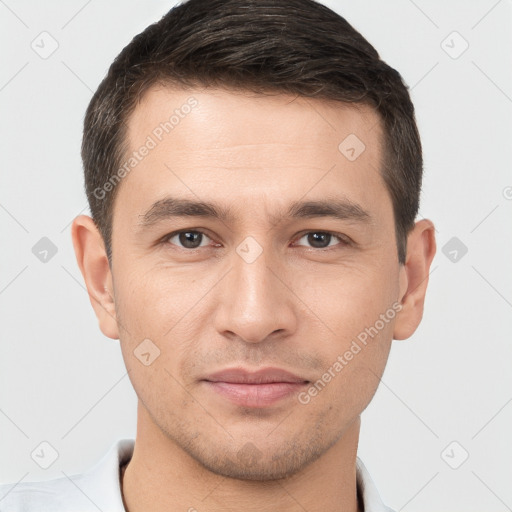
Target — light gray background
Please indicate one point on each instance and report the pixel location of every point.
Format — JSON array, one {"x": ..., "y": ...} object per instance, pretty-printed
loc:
[{"x": 63, "y": 382}]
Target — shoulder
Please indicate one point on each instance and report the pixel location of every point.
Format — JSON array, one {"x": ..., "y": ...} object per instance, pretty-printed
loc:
[
  {"x": 98, "y": 488},
  {"x": 367, "y": 491},
  {"x": 52, "y": 495}
]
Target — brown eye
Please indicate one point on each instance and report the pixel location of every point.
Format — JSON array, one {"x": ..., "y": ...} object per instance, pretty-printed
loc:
[
  {"x": 322, "y": 239},
  {"x": 187, "y": 239}
]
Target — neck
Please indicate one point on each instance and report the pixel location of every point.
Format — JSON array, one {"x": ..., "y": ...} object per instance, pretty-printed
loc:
[{"x": 162, "y": 477}]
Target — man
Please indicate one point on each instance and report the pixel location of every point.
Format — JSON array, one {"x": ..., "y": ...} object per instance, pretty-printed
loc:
[{"x": 253, "y": 171}]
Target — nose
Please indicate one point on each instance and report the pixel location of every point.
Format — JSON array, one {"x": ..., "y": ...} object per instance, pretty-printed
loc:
[{"x": 255, "y": 301}]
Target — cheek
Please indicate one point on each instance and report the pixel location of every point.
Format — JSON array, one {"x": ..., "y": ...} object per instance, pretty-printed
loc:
[
  {"x": 355, "y": 314},
  {"x": 157, "y": 312},
  {"x": 151, "y": 302},
  {"x": 347, "y": 299},
  {"x": 351, "y": 374}
]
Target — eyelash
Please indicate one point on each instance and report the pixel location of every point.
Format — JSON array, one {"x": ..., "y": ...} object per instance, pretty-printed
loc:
[{"x": 344, "y": 240}]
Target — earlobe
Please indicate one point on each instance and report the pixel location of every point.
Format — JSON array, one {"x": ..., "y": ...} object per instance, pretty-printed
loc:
[
  {"x": 93, "y": 263},
  {"x": 421, "y": 249}
]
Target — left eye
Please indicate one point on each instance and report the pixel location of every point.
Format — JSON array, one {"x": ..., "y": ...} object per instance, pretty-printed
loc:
[
  {"x": 322, "y": 239},
  {"x": 188, "y": 239}
]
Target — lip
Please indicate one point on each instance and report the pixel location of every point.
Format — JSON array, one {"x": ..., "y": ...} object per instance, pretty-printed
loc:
[
  {"x": 261, "y": 376},
  {"x": 261, "y": 388}
]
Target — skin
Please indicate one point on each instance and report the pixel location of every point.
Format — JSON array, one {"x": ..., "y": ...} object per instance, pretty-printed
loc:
[{"x": 298, "y": 306}]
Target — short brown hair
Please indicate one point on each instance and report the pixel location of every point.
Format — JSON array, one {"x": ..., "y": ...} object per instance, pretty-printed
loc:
[{"x": 290, "y": 46}]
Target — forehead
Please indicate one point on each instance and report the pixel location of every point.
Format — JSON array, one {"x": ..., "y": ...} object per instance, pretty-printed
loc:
[
  {"x": 238, "y": 116},
  {"x": 241, "y": 145}
]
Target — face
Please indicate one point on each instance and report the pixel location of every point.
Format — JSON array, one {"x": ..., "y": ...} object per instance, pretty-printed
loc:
[{"x": 264, "y": 282}]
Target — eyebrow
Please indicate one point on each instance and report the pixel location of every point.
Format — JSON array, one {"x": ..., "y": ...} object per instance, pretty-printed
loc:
[{"x": 170, "y": 207}]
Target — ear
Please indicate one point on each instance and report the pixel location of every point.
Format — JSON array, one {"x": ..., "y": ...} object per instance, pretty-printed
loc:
[
  {"x": 93, "y": 262},
  {"x": 421, "y": 249}
]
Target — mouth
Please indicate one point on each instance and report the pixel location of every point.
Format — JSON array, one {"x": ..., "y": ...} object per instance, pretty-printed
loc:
[{"x": 261, "y": 388}]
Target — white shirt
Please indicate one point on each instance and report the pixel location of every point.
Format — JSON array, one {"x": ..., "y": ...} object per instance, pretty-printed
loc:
[{"x": 99, "y": 488}]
